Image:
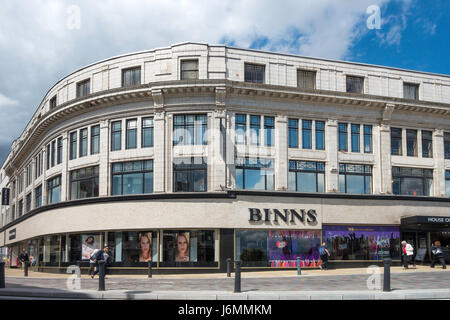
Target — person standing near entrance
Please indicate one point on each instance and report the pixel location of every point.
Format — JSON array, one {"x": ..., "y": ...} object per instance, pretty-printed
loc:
[
  {"x": 23, "y": 257},
  {"x": 407, "y": 253},
  {"x": 101, "y": 255},
  {"x": 324, "y": 254},
  {"x": 438, "y": 255}
]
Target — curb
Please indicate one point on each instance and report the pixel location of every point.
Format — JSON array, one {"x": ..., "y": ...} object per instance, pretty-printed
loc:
[{"x": 222, "y": 295}]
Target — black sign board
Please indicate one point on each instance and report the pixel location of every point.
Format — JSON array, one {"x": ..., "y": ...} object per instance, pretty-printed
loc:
[
  {"x": 5, "y": 196},
  {"x": 430, "y": 220},
  {"x": 12, "y": 234},
  {"x": 420, "y": 255}
]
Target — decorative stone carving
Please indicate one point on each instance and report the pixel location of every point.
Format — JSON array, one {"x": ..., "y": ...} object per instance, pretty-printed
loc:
[{"x": 158, "y": 98}]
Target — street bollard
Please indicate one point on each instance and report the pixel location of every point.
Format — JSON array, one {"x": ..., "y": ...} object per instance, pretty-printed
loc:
[
  {"x": 25, "y": 268},
  {"x": 299, "y": 267},
  {"x": 2, "y": 274},
  {"x": 149, "y": 269},
  {"x": 237, "y": 277},
  {"x": 387, "y": 275},
  {"x": 101, "y": 278},
  {"x": 228, "y": 267}
]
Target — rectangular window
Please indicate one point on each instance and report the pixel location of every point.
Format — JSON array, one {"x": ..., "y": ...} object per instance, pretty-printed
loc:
[
  {"x": 83, "y": 142},
  {"x": 189, "y": 175},
  {"x": 396, "y": 141},
  {"x": 20, "y": 208},
  {"x": 189, "y": 129},
  {"x": 320, "y": 135},
  {"x": 306, "y": 79},
  {"x": 131, "y": 134},
  {"x": 53, "y": 102},
  {"x": 28, "y": 203},
  {"x": 293, "y": 133},
  {"x": 95, "y": 139},
  {"x": 38, "y": 197},
  {"x": 354, "y": 84},
  {"x": 53, "y": 157},
  {"x": 411, "y": 91},
  {"x": 255, "y": 127},
  {"x": 116, "y": 135},
  {"x": 343, "y": 142},
  {"x": 255, "y": 174},
  {"x": 29, "y": 174},
  {"x": 131, "y": 77},
  {"x": 83, "y": 88},
  {"x": 147, "y": 132},
  {"x": 355, "y": 178},
  {"x": 355, "y": 137},
  {"x": 367, "y": 139},
  {"x": 241, "y": 129},
  {"x": 134, "y": 177},
  {"x": 427, "y": 144},
  {"x": 306, "y": 176},
  {"x": 412, "y": 181},
  {"x": 411, "y": 143},
  {"x": 84, "y": 183},
  {"x": 48, "y": 155},
  {"x": 254, "y": 73},
  {"x": 189, "y": 69},
  {"x": 447, "y": 183},
  {"x": 54, "y": 190},
  {"x": 269, "y": 125},
  {"x": 59, "y": 152},
  {"x": 446, "y": 145},
  {"x": 73, "y": 145},
  {"x": 306, "y": 134}
]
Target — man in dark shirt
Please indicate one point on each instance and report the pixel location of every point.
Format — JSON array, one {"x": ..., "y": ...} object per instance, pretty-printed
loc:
[
  {"x": 438, "y": 255},
  {"x": 23, "y": 257}
]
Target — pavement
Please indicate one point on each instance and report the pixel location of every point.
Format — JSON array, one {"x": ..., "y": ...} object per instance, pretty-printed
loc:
[{"x": 339, "y": 284}]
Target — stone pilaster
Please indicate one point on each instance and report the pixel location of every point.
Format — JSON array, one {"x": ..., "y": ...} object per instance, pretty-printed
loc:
[
  {"x": 439, "y": 163},
  {"x": 104, "y": 169},
  {"x": 385, "y": 159},
  {"x": 281, "y": 156},
  {"x": 332, "y": 165}
]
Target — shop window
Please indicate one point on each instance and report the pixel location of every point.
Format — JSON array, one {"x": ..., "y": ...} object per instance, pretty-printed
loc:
[
  {"x": 412, "y": 181},
  {"x": 84, "y": 183},
  {"x": 134, "y": 177},
  {"x": 255, "y": 174},
  {"x": 355, "y": 178},
  {"x": 189, "y": 175},
  {"x": 306, "y": 176},
  {"x": 49, "y": 251},
  {"x": 277, "y": 249},
  {"x": 362, "y": 242},
  {"x": 185, "y": 248},
  {"x": 189, "y": 130}
]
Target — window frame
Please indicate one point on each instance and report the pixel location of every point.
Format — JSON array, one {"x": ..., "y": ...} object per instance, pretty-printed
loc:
[
  {"x": 347, "y": 173},
  {"x": 135, "y": 80},
  {"x": 184, "y": 62},
  {"x": 304, "y": 83},
  {"x": 251, "y": 76},
  {"x": 83, "y": 88},
  {"x": 293, "y": 167},
  {"x": 350, "y": 81}
]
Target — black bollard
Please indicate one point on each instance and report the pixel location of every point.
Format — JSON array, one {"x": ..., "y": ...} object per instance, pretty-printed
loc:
[
  {"x": 101, "y": 278},
  {"x": 228, "y": 267},
  {"x": 149, "y": 269},
  {"x": 2, "y": 274},
  {"x": 25, "y": 268},
  {"x": 387, "y": 275},
  {"x": 237, "y": 277},
  {"x": 299, "y": 267}
]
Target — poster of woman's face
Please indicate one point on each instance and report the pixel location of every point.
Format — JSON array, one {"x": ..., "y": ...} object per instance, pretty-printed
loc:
[
  {"x": 145, "y": 247},
  {"x": 182, "y": 247},
  {"x": 88, "y": 244}
]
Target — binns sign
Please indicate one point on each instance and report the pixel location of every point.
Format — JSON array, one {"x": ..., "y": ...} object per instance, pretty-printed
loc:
[{"x": 306, "y": 217}]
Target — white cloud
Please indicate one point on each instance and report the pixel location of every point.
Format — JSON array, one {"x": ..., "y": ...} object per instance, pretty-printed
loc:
[
  {"x": 37, "y": 48},
  {"x": 6, "y": 102}
]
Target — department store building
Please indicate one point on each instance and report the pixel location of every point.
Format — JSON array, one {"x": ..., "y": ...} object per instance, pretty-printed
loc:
[{"x": 249, "y": 155}]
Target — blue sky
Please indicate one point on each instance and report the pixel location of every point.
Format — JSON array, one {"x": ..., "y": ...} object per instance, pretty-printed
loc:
[{"x": 37, "y": 46}]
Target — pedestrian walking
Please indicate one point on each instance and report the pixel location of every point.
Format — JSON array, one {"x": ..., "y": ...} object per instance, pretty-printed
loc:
[
  {"x": 437, "y": 255},
  {"x": 324, "y": 254},
  {"x": 23, "y": 256},
  {"x": 407, "y": 253},
  {"x": 101, "y": 255},
  {"x": 92, "y": 263}
]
